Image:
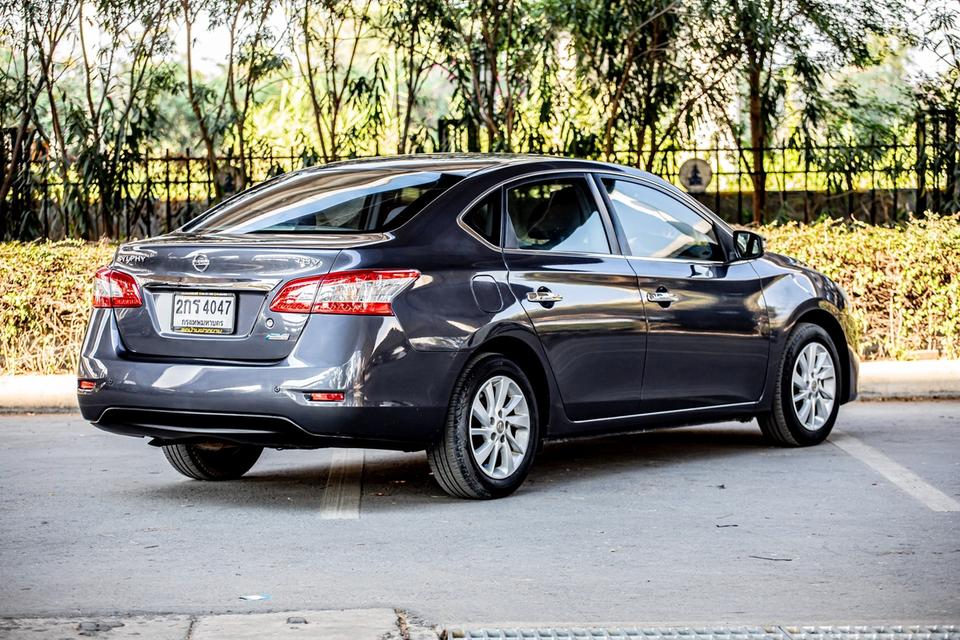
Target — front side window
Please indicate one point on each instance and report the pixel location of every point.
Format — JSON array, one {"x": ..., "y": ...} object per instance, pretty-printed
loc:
[
  {"x": 557, "y": 215},
  {"x": 327, "y": 201},
  {"x": 658, "y": 226}
]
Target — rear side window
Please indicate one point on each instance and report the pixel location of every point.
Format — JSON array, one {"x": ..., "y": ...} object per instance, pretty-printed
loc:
[
  {"x": 557, "y": 215},
  {"x": 658, "y": 226},
  {"x": 484, "y": 218},
  {"x": 327, "y": 201}
]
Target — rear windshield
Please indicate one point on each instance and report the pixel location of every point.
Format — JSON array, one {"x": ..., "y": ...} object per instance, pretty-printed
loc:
[{"x": 329, "y": 201}]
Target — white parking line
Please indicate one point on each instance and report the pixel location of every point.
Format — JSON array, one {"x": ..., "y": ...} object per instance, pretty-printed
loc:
[
  {"x": 341, "y": 498},
  {"x": 896, "y": 473}
]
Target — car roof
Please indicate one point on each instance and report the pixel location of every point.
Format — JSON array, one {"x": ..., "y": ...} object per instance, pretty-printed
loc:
[{"x": 464, "y": 164}]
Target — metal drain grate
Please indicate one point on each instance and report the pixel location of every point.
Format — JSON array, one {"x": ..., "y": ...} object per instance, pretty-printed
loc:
[{"x": 892, "y": 632}]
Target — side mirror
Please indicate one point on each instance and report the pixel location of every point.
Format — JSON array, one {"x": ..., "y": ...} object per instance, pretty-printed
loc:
[{"x": 749, "y": 244}]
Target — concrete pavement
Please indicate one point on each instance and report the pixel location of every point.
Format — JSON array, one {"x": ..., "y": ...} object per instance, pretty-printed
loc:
[
  {"x": 697, "y": 526},
  {"x": 884, "y": 379}
]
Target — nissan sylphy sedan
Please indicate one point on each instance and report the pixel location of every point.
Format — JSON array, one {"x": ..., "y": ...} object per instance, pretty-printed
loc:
[{"x": 470, "y": 306}]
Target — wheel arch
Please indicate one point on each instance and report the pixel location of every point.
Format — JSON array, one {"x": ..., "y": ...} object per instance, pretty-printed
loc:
[{"x": 531, "y": 362}]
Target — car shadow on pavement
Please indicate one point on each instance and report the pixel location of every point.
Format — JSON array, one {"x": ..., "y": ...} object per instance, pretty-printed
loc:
[{"x": 395, "y": 480}]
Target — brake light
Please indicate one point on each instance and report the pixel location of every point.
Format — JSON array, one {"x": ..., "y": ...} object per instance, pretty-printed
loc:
[
  {"x": 325, "y": 396},
  {"x": 114, "y": 289},
  {"x": 364, "y": 292}
]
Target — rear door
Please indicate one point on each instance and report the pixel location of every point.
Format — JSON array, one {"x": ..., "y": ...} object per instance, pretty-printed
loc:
[
  {"x": 707, "y": 343},
  {"x": 578, "y": 292}
]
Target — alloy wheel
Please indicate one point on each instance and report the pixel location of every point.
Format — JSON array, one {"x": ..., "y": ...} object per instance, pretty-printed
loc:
[
  {"x": 499, "y": 427},
  {"x": 814, "y": 386}
]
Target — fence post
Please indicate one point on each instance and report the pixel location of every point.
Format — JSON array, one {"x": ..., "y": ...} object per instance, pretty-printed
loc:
[
  {"x": 806, "y": 180},
  {"x": 896, "y": 175},
  {"x": 938, "y": 154},
  {"x": 739, "y": 188},
  {"x": 921, "y": 166},
  {"x": 166, "y": 186},
  {"x": 716, "y": 175},
  {"x": 952, "y": 153},
  {"x": 189, "y": 202},
  {"x": 873, "y": 181}
]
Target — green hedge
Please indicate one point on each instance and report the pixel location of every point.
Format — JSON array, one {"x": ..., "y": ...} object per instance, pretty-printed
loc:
[
  {"x": 45, "y": 293},
  {"x": 904, "y": 283}
]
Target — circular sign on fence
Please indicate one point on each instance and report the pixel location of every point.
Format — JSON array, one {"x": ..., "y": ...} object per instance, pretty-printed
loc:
[{"x": 695, "y": 175}]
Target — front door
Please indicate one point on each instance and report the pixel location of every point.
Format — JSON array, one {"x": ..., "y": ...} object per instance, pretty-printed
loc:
[
  {"x": 581, "y": 296},
  {"x": 707, "y": 344}
]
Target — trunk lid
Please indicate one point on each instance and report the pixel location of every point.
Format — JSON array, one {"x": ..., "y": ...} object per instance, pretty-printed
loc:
[{"x": 193, "y": 285}]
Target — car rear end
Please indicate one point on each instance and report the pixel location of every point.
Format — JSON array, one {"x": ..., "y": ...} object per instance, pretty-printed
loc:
[{"x": 254, "y": 326}]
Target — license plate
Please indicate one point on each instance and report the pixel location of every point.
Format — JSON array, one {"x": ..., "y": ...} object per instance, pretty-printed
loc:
[{"x": 207, "y": 313}]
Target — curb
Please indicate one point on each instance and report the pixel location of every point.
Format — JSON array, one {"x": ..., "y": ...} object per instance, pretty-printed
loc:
[
  {"x": 879, "y": 380},
  {"x": 54, "y": 393},
  {"x": 916, "y": 379},
  {"x": 346, "y": 624}
]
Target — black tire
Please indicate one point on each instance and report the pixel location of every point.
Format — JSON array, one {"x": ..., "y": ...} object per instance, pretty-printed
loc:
[
  {"x": 451, "y": 457},
  {"x": 782, "y": 425},
  {"x": 212, "y": 461}
]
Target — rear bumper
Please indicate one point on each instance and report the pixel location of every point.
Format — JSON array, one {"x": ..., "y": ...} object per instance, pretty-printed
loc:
[{"x": 394, "y": 396}]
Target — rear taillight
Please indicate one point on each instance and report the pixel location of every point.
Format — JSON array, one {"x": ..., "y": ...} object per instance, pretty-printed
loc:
[
  {"x": 366, "y": 292},
  {"x": 115, "y": 289}
]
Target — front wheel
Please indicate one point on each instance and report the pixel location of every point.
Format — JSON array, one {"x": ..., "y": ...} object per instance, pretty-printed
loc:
[
  {"x": 491, "y": 434},
  {"x": 806, "y": 396},
  {"x": 212, "y": 460}
]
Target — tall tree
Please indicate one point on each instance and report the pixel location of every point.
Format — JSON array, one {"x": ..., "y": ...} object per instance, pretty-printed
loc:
[
  {"x": 327, "y": 41},
  {"x": 122, "y": 47},
  {"x": 412, "y": 29},
  {"x": 777, "y": 41},
  {"x": 33, "y": 31},
  {"x": 494, "y": 50},
  {"x": 253, "y": 58}
]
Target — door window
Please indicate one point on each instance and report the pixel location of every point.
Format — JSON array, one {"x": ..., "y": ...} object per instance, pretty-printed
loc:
[
  {"x": 658, "y": 226},
  {"x": 557, "y": 215}
]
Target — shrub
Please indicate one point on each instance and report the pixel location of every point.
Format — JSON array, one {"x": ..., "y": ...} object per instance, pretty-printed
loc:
[
  {"x": 903, "y": 282},
  {"x": 46, "y": 290}
]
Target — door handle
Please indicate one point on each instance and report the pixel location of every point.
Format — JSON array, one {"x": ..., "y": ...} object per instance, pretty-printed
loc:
[
  {"x": 662, "y": 297},
  {"x": 543, "y": 295}
]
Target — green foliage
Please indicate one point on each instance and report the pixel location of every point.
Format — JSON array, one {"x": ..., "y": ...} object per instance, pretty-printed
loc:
[
  {"x": 45, "y": 293},
  {"x": 903, "y": 281}
]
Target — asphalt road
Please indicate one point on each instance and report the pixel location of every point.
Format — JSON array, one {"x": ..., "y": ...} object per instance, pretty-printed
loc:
[{"x": 703, "y": 524}]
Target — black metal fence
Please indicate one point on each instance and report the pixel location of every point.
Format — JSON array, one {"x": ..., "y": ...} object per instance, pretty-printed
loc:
[{"x": 876, "y": 182}]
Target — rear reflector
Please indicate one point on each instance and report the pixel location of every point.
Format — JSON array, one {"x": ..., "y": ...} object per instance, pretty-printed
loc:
[
  {"x": 363, "y": 292},
  {"x": 114, "y": 289},
  {"x": 86, "y": 385},
  {"x": 325, "y": 396}
]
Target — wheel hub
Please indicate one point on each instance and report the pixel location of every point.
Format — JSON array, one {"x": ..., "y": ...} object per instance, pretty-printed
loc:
[
  {"x": 814, "y": 386},
  {"x": 499, "y": 427}
]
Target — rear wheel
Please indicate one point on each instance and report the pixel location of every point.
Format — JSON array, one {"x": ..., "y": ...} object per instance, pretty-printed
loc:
[
  {"x": 491, "y": 434},
  {"x": 806, "y": 397},
  {"x": 212, "y": 460}
]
